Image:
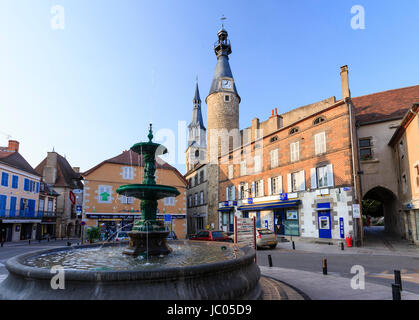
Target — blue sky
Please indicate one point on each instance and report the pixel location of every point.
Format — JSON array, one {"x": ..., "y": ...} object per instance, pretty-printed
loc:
[{"x": 90, "y": 89}]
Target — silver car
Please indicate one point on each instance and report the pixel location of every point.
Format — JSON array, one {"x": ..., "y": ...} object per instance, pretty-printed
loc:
[{"x": 265, "y": 238}]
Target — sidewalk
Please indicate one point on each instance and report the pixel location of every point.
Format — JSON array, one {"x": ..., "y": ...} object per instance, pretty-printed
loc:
[
  {"x": 34, "y": 242},
  {"x": 328, "y": 287},
  {"x": 391, "y": 248}
]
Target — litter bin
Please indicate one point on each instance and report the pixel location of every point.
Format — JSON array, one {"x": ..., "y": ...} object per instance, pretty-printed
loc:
[{"x": 349, "y": 241}]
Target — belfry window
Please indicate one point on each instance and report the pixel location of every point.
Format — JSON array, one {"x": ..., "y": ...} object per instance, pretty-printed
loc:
[{"x": 227, "y": 98}]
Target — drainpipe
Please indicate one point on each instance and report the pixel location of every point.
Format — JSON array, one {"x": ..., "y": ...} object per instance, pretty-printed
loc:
[{"x": 357, "y": 225}]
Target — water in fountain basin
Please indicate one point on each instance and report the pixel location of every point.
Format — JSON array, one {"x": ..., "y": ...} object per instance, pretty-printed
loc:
[{"x": 111, "y": 258}]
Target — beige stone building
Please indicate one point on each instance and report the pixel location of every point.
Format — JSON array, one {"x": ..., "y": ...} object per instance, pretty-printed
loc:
[
  {"x": 405, "y": 147},
  {"x": 106, "y": 208}
]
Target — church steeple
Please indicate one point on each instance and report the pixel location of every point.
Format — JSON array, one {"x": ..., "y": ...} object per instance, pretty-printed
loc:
[
  {"x": 223, "y": 80},
  {"x": 197, "y": 120}
]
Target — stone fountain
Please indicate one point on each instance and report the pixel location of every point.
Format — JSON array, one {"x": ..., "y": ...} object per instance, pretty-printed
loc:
[
  {"x": 148, "y": 236},
  {"x": 147, "y": 269}
]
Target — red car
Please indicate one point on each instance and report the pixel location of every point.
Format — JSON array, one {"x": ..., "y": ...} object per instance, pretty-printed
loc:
[{"x": 211, "y": 236}]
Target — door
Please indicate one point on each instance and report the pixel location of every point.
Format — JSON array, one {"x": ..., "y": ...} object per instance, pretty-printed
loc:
[
  {"x": 279, "y": 222},
  {"x": 325, "y": 230},
  {"x": 258, "y": 220},
  {"x": 231, "y": 225}
]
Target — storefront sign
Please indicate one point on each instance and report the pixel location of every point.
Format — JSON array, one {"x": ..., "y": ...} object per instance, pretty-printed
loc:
[
  {"x": 250, "y": 201},
  {"x": 292, "y": 215},
  {"x": 356, "y": 211},
  {"x": 225, "y": 203},
  {"x": 342, "y": 229},
  {"x": 347, "y": 189},
  {"x": 234, "y": 203},
  {"x": 167, "y": 218},
  {"x": 292, "y": 195},
  {"x": 283, "y": 196}
]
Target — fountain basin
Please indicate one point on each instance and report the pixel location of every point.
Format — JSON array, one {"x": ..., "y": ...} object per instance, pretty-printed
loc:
[
  {"x": 236, "y": 278},
  {"x": 147, "y": 191}
]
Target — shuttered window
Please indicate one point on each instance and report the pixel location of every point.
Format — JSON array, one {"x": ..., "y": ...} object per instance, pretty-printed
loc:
[
  {"x": 320, "y": 143},
  {"x": 274, "y": 158},
  {"x": 295, "y": 151}
]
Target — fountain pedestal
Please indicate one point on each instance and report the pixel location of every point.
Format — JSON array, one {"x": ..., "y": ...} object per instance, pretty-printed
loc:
[{"x": 151, "y": 243}]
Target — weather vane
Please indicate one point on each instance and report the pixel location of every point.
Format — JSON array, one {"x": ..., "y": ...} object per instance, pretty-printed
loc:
[{"x": 222, "y": 19}]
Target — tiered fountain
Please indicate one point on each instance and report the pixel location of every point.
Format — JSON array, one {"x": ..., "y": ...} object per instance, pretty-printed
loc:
[{"x": 147, "y": 269}]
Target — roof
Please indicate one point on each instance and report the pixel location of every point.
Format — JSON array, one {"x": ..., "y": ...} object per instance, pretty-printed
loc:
[
  {"x": 66, "y": 176},
  {"x": 131, "y": 158},
  {"x": 15, "y": 160},
  {"x": 386, "y": 105},
  {"x": 407, "y": 119}
]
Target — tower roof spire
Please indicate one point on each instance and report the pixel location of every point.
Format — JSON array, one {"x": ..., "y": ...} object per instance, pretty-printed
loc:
[{"x": 197, "y": 120}]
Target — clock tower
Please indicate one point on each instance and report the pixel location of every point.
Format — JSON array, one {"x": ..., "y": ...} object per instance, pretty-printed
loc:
[{"x": 222, "y": 119}]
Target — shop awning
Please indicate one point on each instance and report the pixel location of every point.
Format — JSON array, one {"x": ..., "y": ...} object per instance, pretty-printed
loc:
[
  {"x": 269, "y": 205},
  {"x": 225, "y": 209}
]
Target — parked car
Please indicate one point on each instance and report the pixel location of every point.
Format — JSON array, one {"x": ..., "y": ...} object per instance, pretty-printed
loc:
[
  {"x": 172, "y": 236},
  {"x": 216, "y": 235},
  {"x": 121, "y": 236},
  {"x": 265, "y": 238}
]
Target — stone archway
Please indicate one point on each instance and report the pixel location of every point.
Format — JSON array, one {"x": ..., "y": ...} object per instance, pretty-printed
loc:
[{"x": 386, "y": 204}]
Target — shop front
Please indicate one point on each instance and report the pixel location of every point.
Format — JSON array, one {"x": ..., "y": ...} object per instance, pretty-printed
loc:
[{"x": 227, "y": 218}]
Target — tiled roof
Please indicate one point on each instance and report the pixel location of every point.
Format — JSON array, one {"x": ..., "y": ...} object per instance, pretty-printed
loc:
[
  {"x": 386, "y": 105},
  {"x": 131, "y": 158},
  {"x": 15, "y": 159},
  {"x": 66, "y": 176}
]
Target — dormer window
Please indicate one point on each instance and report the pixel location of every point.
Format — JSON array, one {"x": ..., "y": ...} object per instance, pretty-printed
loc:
[
  {"x": 319, "y": 120},
  {"x": 273, "y": 139},
  {"x": 293, "y": 130}
]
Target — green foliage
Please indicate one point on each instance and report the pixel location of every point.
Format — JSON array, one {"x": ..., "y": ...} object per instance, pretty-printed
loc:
[
  {"x": 93, "y": 233},
  {"x": 371, "y": 208}
]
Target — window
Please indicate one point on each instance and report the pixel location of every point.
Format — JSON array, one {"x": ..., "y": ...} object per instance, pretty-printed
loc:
[
  {"x": 190, "y": 201},
  {"x": 273, "y": 139},
  {"x": 169, "y": 201},
  {"x": 275, "y": 185},
  {"x": 190, "y": 182},
  {"x": 258, "y": 164},
  {"x": 274, "y": 158},
  {"x": 293, "y": 131},
  {"x": 243, "y": 168},
  {"x": 365, "y": 150},
  {"x": 201, "y": 176},
  {"x": 50, "y": 205},
  {"x": 15, "y": 182},
  {"x": 127, "y": 173},
  {"x": 241, "y": 192},
  {"x": 202, "y": 197},
  {"x": 5, "y": 179},
  {"x": 259, "y": 188},
  {"x": 295, "y": 151},
  {"x": 319, "y": 120},
  {"x": 104, "y": 194},
  {"x": 196, "y": 179},
  {"x": 320, "y": 143},
  {"x": 196, "y": 199},
  {"x": 26, "y": 185},
  {"x": 41, "y": 204},
  {"x": 322, "y": 177},
  {"x": 197, "y": 154},
  {"x": 227, "y": 98},
  {"x": 3, "y": 201},
  {"x": 230, "y": 171},
  {"x": 127, "y": 200},
  {"x": 296, "y": 181}
]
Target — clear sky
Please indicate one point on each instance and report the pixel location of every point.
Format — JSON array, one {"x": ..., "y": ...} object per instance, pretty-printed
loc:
[{"x": 89, "y": 90}]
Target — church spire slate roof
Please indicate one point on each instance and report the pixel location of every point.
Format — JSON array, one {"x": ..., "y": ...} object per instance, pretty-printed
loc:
[{"x": 197, "y": 120}]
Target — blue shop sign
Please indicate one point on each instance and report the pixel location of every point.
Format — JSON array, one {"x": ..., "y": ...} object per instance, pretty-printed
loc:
[
  {"x": 167, "y": 218},
  {"x": 225, "y": 203},
  {"x": 342, "y": 229},
  {"x": 283, "y": 196},
  {"x": 234, "y": 203},
  {"x": 250, "y": 201}
]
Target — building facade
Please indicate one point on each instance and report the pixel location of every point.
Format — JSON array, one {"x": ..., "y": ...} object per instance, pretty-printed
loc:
[
  {"x": 196, "y": 175},
  {"x": 405, "y": 147},
  {"x": 19, "y": 196},
  {"x": 58, "y": 174},
  {"x": 47, "y": 208},
  {"x": 105, "y": 208}
]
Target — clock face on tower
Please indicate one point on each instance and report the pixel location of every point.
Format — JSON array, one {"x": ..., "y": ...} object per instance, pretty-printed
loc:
[{"x": 226, "y": 84}]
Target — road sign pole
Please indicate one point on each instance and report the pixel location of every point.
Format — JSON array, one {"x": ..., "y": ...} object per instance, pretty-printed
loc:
[
  {"x": 235, "y": 229},
  {"x": 254, "y": 238}
]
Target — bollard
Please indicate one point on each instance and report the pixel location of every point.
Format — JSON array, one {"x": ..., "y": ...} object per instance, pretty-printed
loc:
[
  {"x": 2, "y": 244},
  {"x": 68, "y": 243},
  {"x": 396, "y": 292},
  {"x": 270, "y": 260},
  {"x": 293, "y": 245},
  {"x": 342, "y": 247},
  {"x": 29, "y": 241},
  {"x": 398, "y": 279},
  {"x": 324, "y": 264}
]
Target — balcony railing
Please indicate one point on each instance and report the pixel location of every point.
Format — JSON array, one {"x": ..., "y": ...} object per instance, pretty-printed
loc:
[{"x": 25, "y": 214}]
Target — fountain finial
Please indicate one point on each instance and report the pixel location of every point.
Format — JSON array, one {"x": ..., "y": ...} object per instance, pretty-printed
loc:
[{"x": 150, "y": 133}]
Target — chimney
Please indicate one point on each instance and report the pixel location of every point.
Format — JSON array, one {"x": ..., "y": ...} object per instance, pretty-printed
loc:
[
  {"x": 50, "y": 170},
  {"x": 13, "y": 146},
  {"x": 346, "y": 93},
  {"x": 76, "y": 169}
]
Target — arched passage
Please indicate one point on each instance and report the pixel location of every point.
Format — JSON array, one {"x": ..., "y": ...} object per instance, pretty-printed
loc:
[{"x": 381, "y": 202}]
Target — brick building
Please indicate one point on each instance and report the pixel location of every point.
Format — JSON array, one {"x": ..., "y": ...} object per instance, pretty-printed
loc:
[{"x": 294, "y": 172}]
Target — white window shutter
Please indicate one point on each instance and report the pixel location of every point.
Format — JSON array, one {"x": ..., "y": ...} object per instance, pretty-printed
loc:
[
  {"x": 269, "y": 186},
  {"x": 302, "y": 180},
  {"x": 297, "y": 151},
  {"x": 239, "y": 192},
  {"x": 253, "y": 190},
  {"x": 316, "y": 144},
  {"x": 227, "y": 194},
  {"x": 324, "y": 142},
  {"x": 246, "y": 190},
  {"x": 262, "y": 188},
  {"x": 279, "y": 184},
  {"x": 330, "y": 182},
  {"x": 313, "y": 178},
  {"x": 292, "y": 148},
  {"x": 289, "y": 185},
  {"x": 233, "y": 191}
]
